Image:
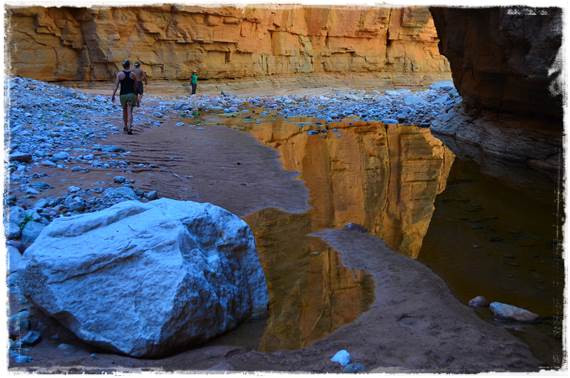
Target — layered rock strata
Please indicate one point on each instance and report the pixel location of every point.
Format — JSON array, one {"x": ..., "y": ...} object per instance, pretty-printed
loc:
[{"x": 67, "y": 43}]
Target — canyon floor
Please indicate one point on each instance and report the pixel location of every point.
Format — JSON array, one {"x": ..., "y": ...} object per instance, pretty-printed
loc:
[{"x": 397, "y": 314}]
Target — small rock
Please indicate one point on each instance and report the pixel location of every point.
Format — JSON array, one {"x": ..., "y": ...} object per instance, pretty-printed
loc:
[
  {"x": 510, "y": 312},
  {"x": 73, "y": 189},
  {"x": 479, "y": 301},
  {"x": 21, "y": 157},
  {"x": 62, "y": 155},
  {"x": 15, "y": 260},
  {"x": 66, "y": 347},
  {"x": 151, "y": 196},
  {"x": 48, "y": 163},
  {"x": 13, "y": 231},
  {"x": 30, "y": 232},
  {"x": 19, "y": 324},
  {"x": 390, "y": 121},
  {"x": 31, "y": 338},
  {"x": 74, "y": 203},
  {"x": 179, "y": 124},
  {"x": 355, "y": 227},
  {"x": 119, "y": 179},
  {"x": 111, "y": 148},
  {"x": 355, "y": 367},
  {"x": 342, "y": 357},
  {"x": 20, "y": 358}
]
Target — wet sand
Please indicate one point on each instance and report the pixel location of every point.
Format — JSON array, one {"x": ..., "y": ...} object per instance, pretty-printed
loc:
[{"x": 414, "y": 323}]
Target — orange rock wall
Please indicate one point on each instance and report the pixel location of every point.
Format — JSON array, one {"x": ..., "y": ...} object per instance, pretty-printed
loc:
[{"x": 67, "y": 43}]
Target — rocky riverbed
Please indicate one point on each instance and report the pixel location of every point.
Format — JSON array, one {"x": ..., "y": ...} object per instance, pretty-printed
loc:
[{"x": 67, "y": 156}]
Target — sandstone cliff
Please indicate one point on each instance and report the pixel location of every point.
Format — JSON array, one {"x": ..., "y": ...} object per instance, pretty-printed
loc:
[
  {"x": 502, "y": 58},
  {"x": 226, "y": 42}
]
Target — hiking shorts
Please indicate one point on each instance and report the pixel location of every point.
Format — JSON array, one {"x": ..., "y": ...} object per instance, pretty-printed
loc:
[{"x": 129, "y": 98}]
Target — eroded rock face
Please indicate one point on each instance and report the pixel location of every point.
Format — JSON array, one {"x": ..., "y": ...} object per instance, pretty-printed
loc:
[
  {"x": 145, "y": 278},
  {"x": 225, "y": 42},
  {"x": 504, "y": 59}
]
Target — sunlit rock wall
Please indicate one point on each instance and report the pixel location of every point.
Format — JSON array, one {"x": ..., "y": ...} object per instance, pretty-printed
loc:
[
  {"x": 385, "y": 178},
  {"x": 89, "y": 44}
]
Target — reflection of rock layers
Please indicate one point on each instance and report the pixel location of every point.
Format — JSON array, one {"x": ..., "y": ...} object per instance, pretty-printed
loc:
[
  {"x": 222, "y": 42},
  {"x": 311, "y": 293},
  {"x": 385, "y": 178}
]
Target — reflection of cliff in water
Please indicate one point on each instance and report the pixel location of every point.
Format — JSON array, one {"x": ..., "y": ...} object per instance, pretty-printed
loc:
[
  {"x": 311, "y": 292},
  {"x": 384, "y": 177}
]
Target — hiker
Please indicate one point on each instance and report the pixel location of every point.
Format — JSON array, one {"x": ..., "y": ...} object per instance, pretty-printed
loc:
[
  {"x": 141, "y": 76},
  {"x": 126, "y": 79},
  {"x": 194, "y": 81}
]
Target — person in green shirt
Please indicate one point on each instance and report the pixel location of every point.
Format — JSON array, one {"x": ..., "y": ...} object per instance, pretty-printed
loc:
[{"x": 194, "y": 81}]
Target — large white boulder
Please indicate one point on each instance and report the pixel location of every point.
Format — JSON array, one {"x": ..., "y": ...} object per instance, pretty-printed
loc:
[{"x": 146, "y": 278}]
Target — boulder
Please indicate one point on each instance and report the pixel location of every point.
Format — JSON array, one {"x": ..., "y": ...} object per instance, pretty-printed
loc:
[
  {"x": 510, "y": 312},
  {"x": 146, "y": 278}
]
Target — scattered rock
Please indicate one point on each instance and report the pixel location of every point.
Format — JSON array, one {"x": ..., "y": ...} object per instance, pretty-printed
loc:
[
  {"x": 20, "y": 358},
  {"x": 168, "y": 273},
  {"x": 119, "y": 179},
  {"x": 113, "y": 196},
  {"x": 510, "y": 312},
  {"x": 355, "y": 227},
  {"x": 355, "y": 367},
  {"x": 342, "y": 357},
  {"x": 62, "y": 155},
  {"x": 15, "y": 260},
  {"x": 73, "y": 189},
  {"x": 151, "y": 196},
  {"x": 31, "y": 338},
  {"x": 479, "y": 301},
  {"x": 19, "y": 324},
  {"x": 21, "y": 157},
  {"x": 30, "y": 232}
]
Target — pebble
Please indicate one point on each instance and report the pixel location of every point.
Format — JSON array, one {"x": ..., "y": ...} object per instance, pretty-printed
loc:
[
  {"x": 479, "y": 301},
  {"x": 355, "y": 367},
  {"x": 342, "y": 357},
  {"x": 151, "y": 196},
  {"x": 62, "y": 155},
  {"x": 119, "y": 179},
  {"x": 31, "y": 338},
  {"x": 73, "y": 189}
]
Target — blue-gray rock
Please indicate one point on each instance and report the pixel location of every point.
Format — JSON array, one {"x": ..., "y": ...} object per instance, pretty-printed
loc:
[
  {"x": 151, "y": 196},
  {"x": 113, "y": 196},
  {"x": 13, "y": 231},
  {"x": 355, "y": 367},
  {"x": 41, "y": 203},
  {"x": 32, "y": 191},
  {"x": 510, "y": 312},
  {"x": 61, "y": 155},
  {"x": 66, "y": 347},
  {"x": 74, "y": 203},
  {"x": 145, "y": 278},
  {"x": 390, "y": 121},
  {"x": 17, "y": 215},
  {"x": 73, "y": 189},
  {"x": 19, "y": 324},
  {"x": 111, "y": 148},
  {"x": 30, "y": 232},
  {"x": 16, "y": 262},
  {"x": 342, "y": 357},
  {"x": 21, "y": 157},
  {"x": 179, "y": 124},
  {"x": 31, "y": 338},
  {"x": 40, "y": 185},
  {"x": 20, "y": 358},
  {"x": 11, "y": 199},
  {"x": 119, "y": 179},
  {"x": 48, "y": 163},
  {"x": 478, "y": 301}
]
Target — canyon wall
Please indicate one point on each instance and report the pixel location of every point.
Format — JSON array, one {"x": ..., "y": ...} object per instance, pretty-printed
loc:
[
  {"x": 67, "y": 43},
  {"x": 504, "y": 59}
]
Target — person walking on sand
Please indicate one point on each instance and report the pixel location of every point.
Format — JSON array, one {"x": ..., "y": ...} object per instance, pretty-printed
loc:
[
  {"x": 141, "y": 76},
  {"x": 194, "y": 81},
  {"x": 126, "y": 79}
]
